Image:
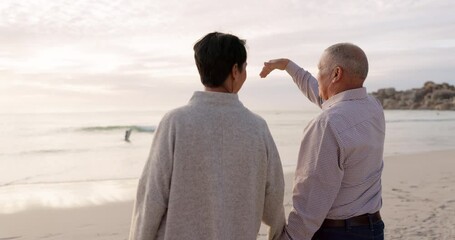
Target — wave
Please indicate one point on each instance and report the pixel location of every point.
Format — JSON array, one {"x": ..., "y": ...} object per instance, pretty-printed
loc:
[
  {"x": 148, "y": 129},
  {"x": 421, "y": 120},
  {"x": 44, "y": 151},
  {"x": 28, "y": 180}
]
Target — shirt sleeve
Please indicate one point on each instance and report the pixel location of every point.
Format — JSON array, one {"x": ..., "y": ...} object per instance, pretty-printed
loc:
[
  {"x": 154, "y": 184},
  {"x": 317, "y": 180},
  {"x": 273, "y": 214},
  {"x": 305, "y": 82}
]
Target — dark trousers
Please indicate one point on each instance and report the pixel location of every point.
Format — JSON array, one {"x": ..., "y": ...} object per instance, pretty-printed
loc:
[{"x": 373, "y": 231}]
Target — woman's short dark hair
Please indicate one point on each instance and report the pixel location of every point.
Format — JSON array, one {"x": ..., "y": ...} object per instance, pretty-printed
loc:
[{"x": 215, "y": 55}]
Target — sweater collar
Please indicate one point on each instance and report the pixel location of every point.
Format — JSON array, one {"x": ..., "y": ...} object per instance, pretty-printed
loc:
[
  {"x": 215, "y": 98},
  {"x": 348, "y": 95}
]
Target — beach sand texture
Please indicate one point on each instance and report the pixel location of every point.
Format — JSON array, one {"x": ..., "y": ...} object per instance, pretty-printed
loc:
[{"x": 418, "y": 203}]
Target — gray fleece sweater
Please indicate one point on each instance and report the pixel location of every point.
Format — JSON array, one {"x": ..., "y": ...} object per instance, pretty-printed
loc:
[{"x": 213, "y": 173}]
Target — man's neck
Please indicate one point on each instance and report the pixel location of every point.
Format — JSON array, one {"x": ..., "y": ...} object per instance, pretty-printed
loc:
[{"x": 345, "y": 88}]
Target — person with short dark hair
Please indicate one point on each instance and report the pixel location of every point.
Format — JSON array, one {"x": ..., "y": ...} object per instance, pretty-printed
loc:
[
  {"x": 214, "y": 171},
  {"x": 215, "y": 55},
  {"x": 337, "y": 184}
]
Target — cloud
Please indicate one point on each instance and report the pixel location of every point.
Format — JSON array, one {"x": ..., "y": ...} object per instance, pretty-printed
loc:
[{"x": 112, "y": 46}]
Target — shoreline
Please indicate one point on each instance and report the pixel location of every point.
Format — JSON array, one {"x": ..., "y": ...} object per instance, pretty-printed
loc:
[{"x": 418, "y": 202}]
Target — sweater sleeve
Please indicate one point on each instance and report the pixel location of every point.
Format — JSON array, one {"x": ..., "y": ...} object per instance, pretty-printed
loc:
[
  {"x": 273, "y": 214},
  {"x": 154, "y": 184},
  {"x": 305, "y": 82}
]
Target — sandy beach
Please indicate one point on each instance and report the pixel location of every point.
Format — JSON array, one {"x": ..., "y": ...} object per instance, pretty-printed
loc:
[{"x": 418, "y": 196}]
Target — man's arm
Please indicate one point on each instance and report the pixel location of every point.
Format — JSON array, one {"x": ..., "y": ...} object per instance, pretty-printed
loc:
[
  {"x": 153, "y": 188},
  {"x": 273, "y": 214},
  {"x": 317, "y": 180},
  {"x": 304, "y": 80}
]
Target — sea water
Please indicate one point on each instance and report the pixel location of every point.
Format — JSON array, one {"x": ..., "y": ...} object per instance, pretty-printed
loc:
[{"x": 78, "y": 159}]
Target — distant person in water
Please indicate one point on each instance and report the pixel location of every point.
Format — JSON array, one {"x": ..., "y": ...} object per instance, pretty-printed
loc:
[
  {"x": 128, "y": 134},
  {"x": 213, "y": 171},
  {"x": 337, "y": 184}
]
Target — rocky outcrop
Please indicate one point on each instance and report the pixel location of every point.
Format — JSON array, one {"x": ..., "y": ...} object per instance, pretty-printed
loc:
[{"x": 431, "y": 96}]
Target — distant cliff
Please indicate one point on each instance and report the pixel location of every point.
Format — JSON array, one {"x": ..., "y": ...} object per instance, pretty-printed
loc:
[{"x": 431, "y": 96}]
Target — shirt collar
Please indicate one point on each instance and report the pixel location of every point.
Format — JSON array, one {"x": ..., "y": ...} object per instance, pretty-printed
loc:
[
  {"x": 348, "y": 95},
  {"x": 215, "y": 98}
]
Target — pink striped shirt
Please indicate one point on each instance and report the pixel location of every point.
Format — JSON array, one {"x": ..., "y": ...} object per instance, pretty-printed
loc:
[{"x": 340, "y": 162}]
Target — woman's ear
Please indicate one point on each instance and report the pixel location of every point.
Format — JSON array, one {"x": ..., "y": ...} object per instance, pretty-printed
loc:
[{"x": 235, "y": 71}]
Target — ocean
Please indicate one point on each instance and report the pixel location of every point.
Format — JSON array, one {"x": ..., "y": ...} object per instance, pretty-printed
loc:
[{"x": 79, "y": 159}]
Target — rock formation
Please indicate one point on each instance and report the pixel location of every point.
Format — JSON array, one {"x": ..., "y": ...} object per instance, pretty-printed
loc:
[{"x": 431, "y": 96}]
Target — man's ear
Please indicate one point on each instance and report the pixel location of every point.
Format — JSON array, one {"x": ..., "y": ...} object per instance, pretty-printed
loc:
[{"x": 337, "y": 74}]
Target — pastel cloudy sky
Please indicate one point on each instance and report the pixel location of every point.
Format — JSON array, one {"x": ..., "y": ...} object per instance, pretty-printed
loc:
[{"x": 89, "y": 55}]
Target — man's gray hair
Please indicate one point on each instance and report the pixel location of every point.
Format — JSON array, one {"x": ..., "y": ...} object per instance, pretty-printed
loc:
[{"x": 350, "y": 57}]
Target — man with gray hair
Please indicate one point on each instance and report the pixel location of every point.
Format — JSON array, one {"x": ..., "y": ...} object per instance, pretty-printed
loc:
[{"x": 337, "y": 184}]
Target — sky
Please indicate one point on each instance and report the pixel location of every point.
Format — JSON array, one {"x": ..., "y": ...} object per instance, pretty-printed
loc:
[{"x": 116, "y": 55}]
